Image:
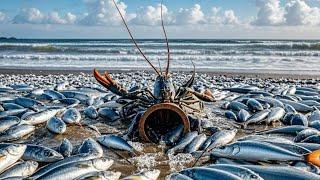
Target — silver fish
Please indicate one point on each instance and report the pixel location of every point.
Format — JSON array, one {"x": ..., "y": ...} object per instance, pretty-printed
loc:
[
  {"x": 22, "y": 169},
  {"x": 196, "y": 143},
  {"x": 297, "y": 106},
  {"x": 10, "y": 154},
  {"x": 65, "y": 148},
  {"x": 67, "y": 160},
  {"x": 242, "y": 172},
  {"x": 254, "y": 105},
  {"x": 209, "y": 173},
  {"x": 102, "y": 175},
  {"x": 183, "y": 142},
  {"x": 91, "y": 146},
  {"x": 115, "y": 142},
  {"x": 56, "y": 125},
  {"x": 41, "y": 154},
  {"x": 276, "y": 114},
  {"x": 91, "y": 112},
  {"x": 144, "y": 175},
  {"x": 16, "y": 132},
  {"x": 77, "y": 169},
  {"x": 71, "y": 116},
  {"x": 257, "y": 117},
  {"x": 281, "y": 172},
  {"x": 41, "y": 116},
  {"x": 7, "y": 122},
  {"x": 256, "y": 151}
]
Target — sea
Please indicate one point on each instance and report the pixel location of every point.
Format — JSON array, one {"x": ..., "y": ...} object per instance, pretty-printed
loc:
[{"x": 206, "y": 54}]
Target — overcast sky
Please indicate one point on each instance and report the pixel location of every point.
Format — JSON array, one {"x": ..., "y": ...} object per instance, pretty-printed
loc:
[{"x": 266, "y": 19}]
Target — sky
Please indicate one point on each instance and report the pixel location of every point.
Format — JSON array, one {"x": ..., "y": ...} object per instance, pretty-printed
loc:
[{"x": 191, "y": 19}]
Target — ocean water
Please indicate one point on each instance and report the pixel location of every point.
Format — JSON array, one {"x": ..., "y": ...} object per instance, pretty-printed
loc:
[{"x": 302, "y": 55}]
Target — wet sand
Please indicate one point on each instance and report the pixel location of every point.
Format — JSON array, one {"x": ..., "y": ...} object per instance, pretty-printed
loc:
[{"x": 255, "y": 73}]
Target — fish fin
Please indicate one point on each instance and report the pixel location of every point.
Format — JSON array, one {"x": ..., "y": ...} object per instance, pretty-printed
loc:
[{"x": 313, "y": 157}]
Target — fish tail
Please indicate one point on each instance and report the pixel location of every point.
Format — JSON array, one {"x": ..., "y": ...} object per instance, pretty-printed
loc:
[{"x": 313, "y": 157}]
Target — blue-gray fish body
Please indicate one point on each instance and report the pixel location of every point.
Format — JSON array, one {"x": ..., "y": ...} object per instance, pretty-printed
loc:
[
  {"x": 183, "y": 142},
  {"x": 65, "y": 148},
  {"x": 298, "y": 106},
  {"x": 7, "y": 122},
  {"x": 173, "y": 136},
  {"x": 90, "y": 146},
  {"x": 115, "y": 142},
  {"x": 10, "y": 154},
  {"x": 231, "y": 115},
  {"x": 11, "y": 106},
  {"x": 276, "y": 114},
  {"x": 56, "y": 125},
  {"x": 209, "y": 173},
  {"x": 41, "y": 154},
  {"x": 243, "y": 115},
  {"x": 22, "y": 169},
  {"x": 299, "y": 119},
  {"x": 91, "y": 112},
  {"x": 41, "y": 116},
  {"x": 71, "y": 116},
  {"x": 67, "y": 160},
  {"x": 254, "y": 105},
  {"x": 195, "y": 144},
  {"x": 16, "y": 132},
  {"x": 108, "y": 114},
  {"x": 77, "y": 169},
  {"x": 256, "y": 151},
  {"x": 281, "y": 172},
  {"x": 242, "y": 172},
  {"x": 28, "y": 103}
]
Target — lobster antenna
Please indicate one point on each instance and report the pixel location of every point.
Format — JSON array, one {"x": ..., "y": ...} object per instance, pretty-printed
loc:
[
  {"x": 134, "y": 41},
  {"x": 165, "y": 35},
  {"x": 159, "y": 65}
]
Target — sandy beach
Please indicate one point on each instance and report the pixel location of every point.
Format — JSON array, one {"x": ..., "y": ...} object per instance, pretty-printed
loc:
[{"x": 264, "y": 74}]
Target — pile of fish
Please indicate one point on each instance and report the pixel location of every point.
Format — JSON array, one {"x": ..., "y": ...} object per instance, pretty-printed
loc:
[
  {"x": 291, "y": 151},
  {"x": 40, "y": 114},
  {"x": 27, "y": 108}
]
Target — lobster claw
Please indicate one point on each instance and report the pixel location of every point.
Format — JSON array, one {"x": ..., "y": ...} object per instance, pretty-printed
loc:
[
  {"x": 206, "y": 96},
  {"x": 109, "y": 83}
]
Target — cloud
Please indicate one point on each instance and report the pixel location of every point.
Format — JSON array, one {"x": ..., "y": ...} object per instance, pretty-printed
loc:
[
  {"x": 228, "y": 17},
  {"x": 29, "y": 16},
  {"x": 2, "y": 17},
  {"x": 193, "y": 15},
  {"x": 270, "y": 13},
  {"x": 294, "y": 13},
  {"x": 35, "y": 16},
  {"x": 103, "y": 12},
  {"x": 300, "y": 13},
  {"x": 152, "y": 16}
]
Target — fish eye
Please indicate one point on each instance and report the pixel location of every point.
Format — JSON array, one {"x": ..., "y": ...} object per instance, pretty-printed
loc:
[{"x": 252, "y": 176}]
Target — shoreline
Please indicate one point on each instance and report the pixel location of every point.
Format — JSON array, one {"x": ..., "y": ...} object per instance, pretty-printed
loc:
[{"x": 253, "y": 73}]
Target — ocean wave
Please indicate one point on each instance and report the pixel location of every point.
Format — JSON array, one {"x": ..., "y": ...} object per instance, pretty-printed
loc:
[{"x": 303, "y": 45}]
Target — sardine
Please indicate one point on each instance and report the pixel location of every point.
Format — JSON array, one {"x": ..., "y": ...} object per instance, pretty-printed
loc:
[
  {"x": 65, "y": 148},
  {"x": 77, "y": 169},
  {"x": 115, "y": 142},
  {"x": 56, "y": 125},
  {"x": 91, "y": 146},
  {"x": 10, "y": 154},
  {"x": 22, "y": 169}
]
